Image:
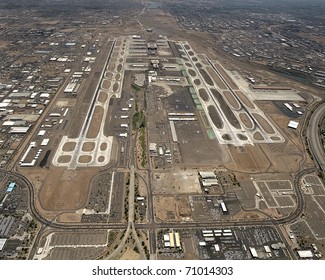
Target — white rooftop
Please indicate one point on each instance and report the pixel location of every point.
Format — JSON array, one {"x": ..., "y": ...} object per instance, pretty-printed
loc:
[
  {"x": 293, "y": 124},
  {"x": 304, "y": 254},
  {"x": 41, "y": 132}
]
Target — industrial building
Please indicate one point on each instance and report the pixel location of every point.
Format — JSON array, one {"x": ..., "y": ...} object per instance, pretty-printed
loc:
[
  {"x": 207, "y": 175},
  {"x": 293, "y": 124},
  {"x": 172, "y": 240},
  {"x": 209, "y": 182}
]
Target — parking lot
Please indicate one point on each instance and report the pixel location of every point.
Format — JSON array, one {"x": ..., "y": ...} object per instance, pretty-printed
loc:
[{"x": 234, "y": 243}]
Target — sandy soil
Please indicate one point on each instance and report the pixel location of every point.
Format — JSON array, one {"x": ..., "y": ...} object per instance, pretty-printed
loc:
[
  {"x": 216, "y": 78},
  {"x": 130, "y": 254},
  {"x": 66, "y": 189},
  {"x": 69, "y": 218},
  {"x": 245, "y": 100},
  {"x": 69, "y": 147},
  {"x": 102, "y": 97},
  {"x": 64, "y": 159},
  {"x": 224, "y": 74},
  {"x": 84, "y": 159},
  {"x": 108, "y": 75},
  {"x": 115, "y": 87},
  {"x": 258, "y": 136},
  {"x": 88, "y": 146},
  {"x": 204, "y": 95},
  {"x": 118, "y": 77},
  {"x": 232, "y": 119},
  {"x": 119, "y": 67},
  {"x": 231, "y": 99},
  {"x": 248, "y": 159},
  {"x": 263, "y": 123},
  {"x": 245, "y": 120},
  {"x": 176, "y": 183},
  {"x": 106, "y": 84},
  {"x": 101, "y": 158},
  {"x": 95, "y": 123},
  {"x": 206, "y": 77},
  {"x": 103, "y": 146},
  {"x": 111, "y": 66},
  {"x": 172, "y": 208},
  {"x": 215, "y": 117}
]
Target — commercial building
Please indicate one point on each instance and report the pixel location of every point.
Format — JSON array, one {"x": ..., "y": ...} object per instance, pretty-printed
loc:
[{"x": 305, "y": 254}]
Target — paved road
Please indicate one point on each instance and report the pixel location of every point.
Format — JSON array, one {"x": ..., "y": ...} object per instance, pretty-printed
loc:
[
  {"x": 313, "y": 136},
  {"x": 152, "y": 226}
]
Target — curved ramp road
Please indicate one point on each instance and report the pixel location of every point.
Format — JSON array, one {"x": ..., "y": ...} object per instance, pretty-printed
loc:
[{"x": 313, "y": 136}]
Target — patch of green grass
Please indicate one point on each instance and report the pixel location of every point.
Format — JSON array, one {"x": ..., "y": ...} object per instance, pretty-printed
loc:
[
  {"x": 138, "y": 120},
  {"x": 135, "y": 87}
]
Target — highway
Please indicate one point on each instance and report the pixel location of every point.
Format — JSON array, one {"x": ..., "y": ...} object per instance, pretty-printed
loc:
[
  {"x": 313, "y": 136},
  {"x": 152, "y": 226}
]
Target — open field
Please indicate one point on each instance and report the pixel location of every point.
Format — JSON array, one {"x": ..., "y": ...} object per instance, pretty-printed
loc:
[
  {"x": 224, "y": 74},
  {"x": 264, "y": 123},
  {"x": 245, "y": 100},
  {"x": 65, "y": 190},
  {"x": 245, "y": 119},
  {"x": 204, "y": 95},
  {"x": 206, "y": 77},
  {"x": 214, "y": 115},
  {"x": 231, "y": 99},
  {"x": 95, "y": 123},
  {"x": 226, "y": 110},
  {"x": 216, "y": 79}
]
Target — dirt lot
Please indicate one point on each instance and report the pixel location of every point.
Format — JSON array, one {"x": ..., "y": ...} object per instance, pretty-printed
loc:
[
  {"x": 216, "y": 78},
  {"x": 95, "y": 123},
  {"x": 264, "y": 123},
  {"x": 226, "y": 109},
  {"x": 248, "y": 159},
  {"x": 176, "y": 183},
  {"x": 65, "y": 189},
  {"x": 102, "y": 97},
  {"x": 84, "y": 159},
  {"x": 88, "y": 146},
  {"x": 172, "y": 208},
  {"x": 258, "y": 136},
  {"x": 231, "y": 99},
  {"x": 191, "y": 71},
  {"x": 69, "y": 146},
  {"x": 103, "y": 146},
  {"x": 106, "y": 84},
  {"x": 246, "y": 121},
  {"x": 204, "y": 95},
  {"x": 64, "y": 159},
  {"x": 214, "y": 115},
  {"x": 206, "y": 77},
  {"x": 245, "y": 100},
  {"x": 226, "y": 77},
  {"x": 69, "y": 218},
  {"x": 115, "y": 87}
]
